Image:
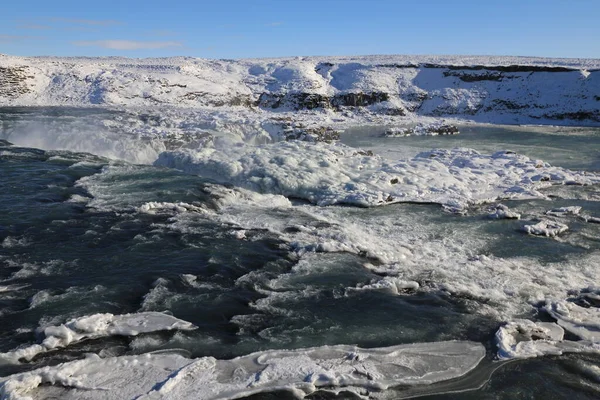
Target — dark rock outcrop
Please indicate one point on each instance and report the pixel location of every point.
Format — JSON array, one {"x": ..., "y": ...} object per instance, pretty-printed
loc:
[
  {"x": 209, "y": 99},
  {"x": 13, "y": 81},
  {"x": 502, "y": 68},
  {"x": 311, "y": 101},
  {"x": 470, "y": 77},
  {"x": 359, "y": 99},
  {"x": 314, "y": 134},
  {"x": 577, "y": 116}
]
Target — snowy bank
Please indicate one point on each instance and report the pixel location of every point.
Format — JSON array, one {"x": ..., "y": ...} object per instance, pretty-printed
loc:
[{"x": 485, "y": 89}]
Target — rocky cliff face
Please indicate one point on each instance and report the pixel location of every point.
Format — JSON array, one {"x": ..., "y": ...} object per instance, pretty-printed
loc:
[
  {"x": 13, "y": 82},
  {"x": 513, "y": 90}
]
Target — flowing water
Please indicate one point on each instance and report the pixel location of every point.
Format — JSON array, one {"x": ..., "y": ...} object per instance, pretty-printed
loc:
[{"x": 75, "y": 241}]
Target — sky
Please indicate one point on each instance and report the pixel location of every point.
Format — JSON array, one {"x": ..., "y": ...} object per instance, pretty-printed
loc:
[{"x": 278, "y": 28}]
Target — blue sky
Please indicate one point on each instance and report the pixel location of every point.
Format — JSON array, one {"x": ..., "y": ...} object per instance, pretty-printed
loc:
[{"x": 264, "y": 28}]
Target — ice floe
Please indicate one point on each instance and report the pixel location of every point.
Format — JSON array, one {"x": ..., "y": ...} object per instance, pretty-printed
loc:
[
  {"x": 96, "y": 326},
  {"x": 422, "y": 129},
  {"x": 588, "y": 218},
  {"x": 501, "y": 211},
  {"x": 528, "y": 339},
  {"x": 301, "y": 372},
  {"x": 388, "y": 284},
  {"x": 564, "y": 211},
  {"x": 583, "y": 322},
  {"x": 524, "y": 339},
  {"x": 154, "y": 207},
  {"x": 545, "y": 228}
]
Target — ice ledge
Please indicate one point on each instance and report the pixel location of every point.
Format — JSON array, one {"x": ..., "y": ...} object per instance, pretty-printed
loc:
[
  {"x": 96, "y": 326},
  {"x": 301, "y": 372}
]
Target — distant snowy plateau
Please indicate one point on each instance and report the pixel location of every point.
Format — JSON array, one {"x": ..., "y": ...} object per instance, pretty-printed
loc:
[{"x": 502, "y": 90}]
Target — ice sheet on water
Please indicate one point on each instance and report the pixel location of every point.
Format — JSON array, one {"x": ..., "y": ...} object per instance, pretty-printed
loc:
[
  {"x": 501, "y": 211},
  {"x": 525, "y": 339},
  {"x": 583, "y": 322},
  {"x": 300, "y": 371},
  {"x": 155, "y": 207},
  {"x": 94, "y": 378},
  {"x": 327, "y": 174},
  {"x": 96, "y": 326},
  {"x": 528, "y": 339},
  {"x": 564, "y": 211},
  {"x": 545, "y": 228},
  {"x": 422, "y": 129},
  {"x": 388, "y": 284},
  {"x": 588, "y": 218}
]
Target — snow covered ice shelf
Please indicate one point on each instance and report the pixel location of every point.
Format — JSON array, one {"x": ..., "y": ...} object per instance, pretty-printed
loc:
[
  {"x": 302, "y": 371},
  {"x": 96, "y": 326},
  {"x": 327, "y": 174}
]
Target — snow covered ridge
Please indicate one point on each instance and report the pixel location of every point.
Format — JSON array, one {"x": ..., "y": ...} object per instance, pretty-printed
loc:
[{"x": 485, "y": 89}]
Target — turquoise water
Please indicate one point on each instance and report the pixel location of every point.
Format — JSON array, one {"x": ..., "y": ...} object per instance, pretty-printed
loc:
[{"x": 569, "y": 147}]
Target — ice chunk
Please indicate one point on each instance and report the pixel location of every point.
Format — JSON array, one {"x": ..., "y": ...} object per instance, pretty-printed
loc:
[
  {"x": 96, "y": 326},
  {"x": 580, "y": 321},
  {"x": 421, "y": 129},
  {"x": 524, "y": 339},
  {"x": 389, "y": 284},
  {"x": 11, "y": 288},
  {"x": 587, "y": 218},
  {"x": 94, "y": 378},
  {"x": 300, "y": 371},
  {"x": 563, "y": 211},
  {"x": 500, "y": 211},
  {"x": 154, "y": 207},
  {"x": 546, "y": 228}
]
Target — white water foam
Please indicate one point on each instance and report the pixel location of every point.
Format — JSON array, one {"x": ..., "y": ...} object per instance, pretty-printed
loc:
[
  {"x": 406, "y": 246},
  {"x": 89, "y": 139},
  {"x": 327, "y": 174}
]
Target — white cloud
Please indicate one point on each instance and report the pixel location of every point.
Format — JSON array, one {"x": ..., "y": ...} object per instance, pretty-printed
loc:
[
  {"x": 129, "y": 44},
  {"x": 92, "y": 22},
  {"x": 35, "y": 27},
  {"x": 15, "y": 38}
]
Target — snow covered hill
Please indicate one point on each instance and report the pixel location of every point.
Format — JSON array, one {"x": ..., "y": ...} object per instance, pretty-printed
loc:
[{"x": 483, "y": 89}]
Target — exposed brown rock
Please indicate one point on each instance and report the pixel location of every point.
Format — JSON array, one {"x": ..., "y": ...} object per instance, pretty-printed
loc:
[{"x": 13, "y": 81}]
